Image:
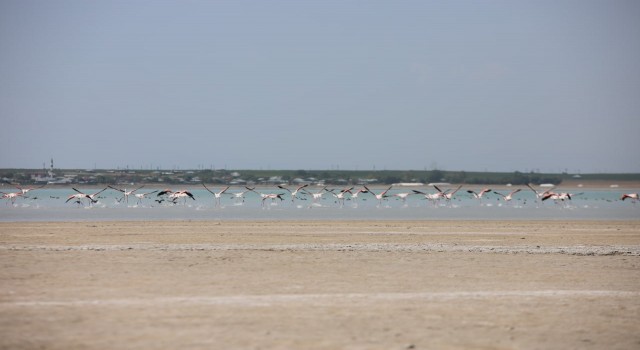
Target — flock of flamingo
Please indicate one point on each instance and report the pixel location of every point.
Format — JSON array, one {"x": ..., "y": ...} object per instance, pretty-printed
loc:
[{"x": 169, "y": 196}]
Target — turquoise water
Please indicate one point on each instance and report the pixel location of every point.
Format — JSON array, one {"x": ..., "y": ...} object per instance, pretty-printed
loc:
[{"x": 49, "y": 205}]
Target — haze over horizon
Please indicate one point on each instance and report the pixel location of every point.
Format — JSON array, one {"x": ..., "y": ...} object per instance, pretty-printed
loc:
[{"x": 548, "y": 86}]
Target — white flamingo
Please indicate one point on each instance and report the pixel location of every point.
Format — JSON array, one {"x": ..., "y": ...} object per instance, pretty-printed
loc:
[
  {"x": 92, "y": 197},
  {"x": 81, "y": 195},
  {"x": 432, "y": 197},
  {"x": 240, "y": 195},
  {"x": 380, "y": 196},
  {"x": 509, "y": 196},
  {"x": 174, "y": 196},
  {"x": 126, "y": 193},
  {"x": 317, "y": 195},
  {"x": 633, "y": 196},
  {"x": 295, "y": 192},
  {"x": 141, "y": 196},
  {"x": 11, "y": 196},
  {"x": 27, "y": 190},
  {"x": 217, "y": 195},
  {"x": 478, "y": 195},
  {"x": 562, "y": 196},
  {"x": 265, "y": 196},
  {"x": 78, "y": 197},
  {"x": 354, "y": 195},
  {"x": 539, "y": 195},
  {"x": 340, "y": 196},
  {"x": 446, "y": 194},
  {"x": 403, "y": 196}
]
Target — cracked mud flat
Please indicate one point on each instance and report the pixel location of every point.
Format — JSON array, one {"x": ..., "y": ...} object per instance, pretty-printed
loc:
[{"x": 320, "y": 285}]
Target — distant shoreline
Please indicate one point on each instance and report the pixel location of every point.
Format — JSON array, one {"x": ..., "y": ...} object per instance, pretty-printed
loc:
[
  {"x": 592, "y": 184},
  {"x": 333, "y": 178}
]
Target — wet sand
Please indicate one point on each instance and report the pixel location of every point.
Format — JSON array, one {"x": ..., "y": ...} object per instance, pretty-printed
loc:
[{"x": 320, "y": 285}]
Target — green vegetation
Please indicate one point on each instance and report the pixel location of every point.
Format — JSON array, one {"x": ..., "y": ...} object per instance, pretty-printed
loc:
[{"x": 250, "y": 177}]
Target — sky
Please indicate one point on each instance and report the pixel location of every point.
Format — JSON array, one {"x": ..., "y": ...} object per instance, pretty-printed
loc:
[{"x": 544, "y": 86}]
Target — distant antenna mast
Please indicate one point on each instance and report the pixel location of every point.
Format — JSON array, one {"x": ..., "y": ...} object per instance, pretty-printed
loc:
[{"x": 51, "y": 170}]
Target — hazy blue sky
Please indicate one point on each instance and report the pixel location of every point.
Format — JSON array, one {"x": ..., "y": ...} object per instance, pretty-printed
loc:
[{"x": 457, "y": 85}]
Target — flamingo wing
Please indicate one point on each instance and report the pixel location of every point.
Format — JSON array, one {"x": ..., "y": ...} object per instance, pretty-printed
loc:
[
  {"x": 117, "y": 189},
  {"x": 207, "y": 188},
  {"x": 284, "y": 188}
]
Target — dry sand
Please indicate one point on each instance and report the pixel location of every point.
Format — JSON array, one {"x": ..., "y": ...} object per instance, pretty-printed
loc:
[{"x": 320, "y": 285}]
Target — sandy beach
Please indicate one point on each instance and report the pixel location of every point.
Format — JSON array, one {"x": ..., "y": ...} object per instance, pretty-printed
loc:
[{"x": 320, "y": 285}]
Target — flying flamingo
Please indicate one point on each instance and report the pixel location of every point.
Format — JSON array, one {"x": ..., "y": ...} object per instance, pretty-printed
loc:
[
  {"x": 340, "y": 195},
  {"x": 142, "y": 196},
  {"x": 478, "y": 195},
  {"x": 81, "y": 195},
  {"x": 509, "y": 196},
  {"x": 559, "y": 196},
  {"x": 446, "y": 194},
  {"x": 78, "y": 197},
  {"x": 354, "y": 195},
  {"x": 295, "y": 192},
  {"x": 126, "y": 193},
  {"x": 380, "y": 196},
  {"x": 317, "y": 195},
  {"x": 265, "y": 196},
  {"x": 539, "y": 195},
  {"x": 240, "y": 195},
  {"x": 433, "y": 197},
  {"x": 93, "y": 196},
  {"x": 12, "y": 196},
  {"x": 403, "y": 196},
  {"x": 174, "y": 196},
  {"x": 217, "y": 195},
  {"x": 26, "y": 190}
]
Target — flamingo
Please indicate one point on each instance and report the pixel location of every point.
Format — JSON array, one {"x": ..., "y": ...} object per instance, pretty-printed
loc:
[
  {"x": 559, "y": 196},
  {"x": 354, "y": 195},
  {"x": 142, "y": 196},
  {"x": 265, "y": 196},
  {"x": 240, "y": 195},
  {"x": 632, "y": 196},
  {"x": 81, "y": 195},
  {"x": 509, "y": 196},
  {"x": 478, "y": 195},
  {"x": 539, "y": 195},
  {"x": 126, "y": 193},
  {"x": 403, "y": 196},
  {"x": 317, "y": 195},
  {"x": 174, "y": 196},
  {"x": 295, "y": 192},
  {"x": 11, "y": 196},
  {"x": 380, "y": 196},
  {"x": 216, "y": 195},
  {"x": 340, "y": 195},
  {"x": 26, "y": 190},
  {"x": 446, "y": 194},
  {"x": 78, "y": 197},
  {"x": 433, "y": 197},
  {"x": 93, "y": 196}
]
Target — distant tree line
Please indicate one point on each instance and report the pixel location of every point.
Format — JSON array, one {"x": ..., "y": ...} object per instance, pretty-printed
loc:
[{"x": 333, "y": 177}]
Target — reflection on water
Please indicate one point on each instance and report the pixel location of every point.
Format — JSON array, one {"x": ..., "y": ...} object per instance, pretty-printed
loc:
[{"x": 49, "y": 205}]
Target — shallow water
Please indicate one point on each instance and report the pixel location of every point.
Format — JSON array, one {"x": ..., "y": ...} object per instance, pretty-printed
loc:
[{"x": 49, "y": 205}]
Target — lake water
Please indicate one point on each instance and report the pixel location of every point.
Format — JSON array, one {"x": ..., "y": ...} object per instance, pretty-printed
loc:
[{"x": 49, "y": 205}]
